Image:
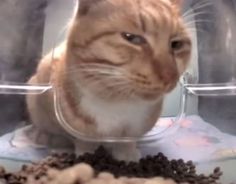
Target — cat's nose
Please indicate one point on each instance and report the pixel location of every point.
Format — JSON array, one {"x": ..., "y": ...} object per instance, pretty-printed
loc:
[
  {"x": 165, "y": 69},
  {"x": 168, "y": 75}
]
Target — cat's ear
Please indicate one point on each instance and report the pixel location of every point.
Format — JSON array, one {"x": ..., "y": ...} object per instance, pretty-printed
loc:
[
  {"x": 177, "y": 2},
  {"x": 86, "y": 5}
]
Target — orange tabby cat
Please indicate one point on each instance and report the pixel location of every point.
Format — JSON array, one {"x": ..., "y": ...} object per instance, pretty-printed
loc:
[{"x": 120, "y": 59}]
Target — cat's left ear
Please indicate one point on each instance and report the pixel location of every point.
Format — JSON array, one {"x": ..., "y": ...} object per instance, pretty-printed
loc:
[
  {"x": 86, "y": 5},
  {"x": 177, "y": 2}
]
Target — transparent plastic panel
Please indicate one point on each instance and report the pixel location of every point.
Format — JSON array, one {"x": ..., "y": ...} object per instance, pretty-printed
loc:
[
  {"x": 198, "y": 119},
  {"x": 213, "y": 85},
  {"x": 21, "y": 35},
  {"x": 54, "y": 33},
  {"x": 209, "y": 92}
]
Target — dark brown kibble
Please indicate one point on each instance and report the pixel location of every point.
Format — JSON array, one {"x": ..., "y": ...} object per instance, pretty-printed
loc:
[
  {"x": 102, "y": 161},
  {"x": 2, "y": 172},
  {"x": 189, "y": 163},
  {"x": 217, "y": 170}
]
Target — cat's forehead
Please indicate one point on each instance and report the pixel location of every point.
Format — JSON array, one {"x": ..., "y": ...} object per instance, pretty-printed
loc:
[
  {"x": 139, "y": 5},
  {"x": 101, "y": 8},
  {"x": 133, "y": 16},
  {"x": 138, "y": 2},
  {"x": 148, "y": 14}
]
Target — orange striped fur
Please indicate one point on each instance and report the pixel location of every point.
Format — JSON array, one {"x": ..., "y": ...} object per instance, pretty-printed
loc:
[{"x": 120, "y": 59}]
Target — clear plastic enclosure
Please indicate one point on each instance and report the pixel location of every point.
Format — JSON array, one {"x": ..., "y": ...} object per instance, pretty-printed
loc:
[{"x": 198, "y": 121}]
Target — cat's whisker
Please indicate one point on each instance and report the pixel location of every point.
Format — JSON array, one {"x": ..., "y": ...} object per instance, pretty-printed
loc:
[
  {"x": 195, "y": 22},
  {"x": 124, "y": 91},
  {"x": 103, "y": 66},
  {"x": 101, "y": 71},
  {"x": 111, "y": 71},
  {"x": 107, "y": 76},
  {"x": 113, "y": 83},
  {"x": 192, "y": 31},
  {"x": 97, "y": 74},
  {"x": 114, "y": 80},
  {"x": 104, "y": 71},
  {"x": 192, "y": 12},
  {"x": 118, "y": 83},
  {"x": 96, "y": 65},
  {"x": 131, "y": 91},
  {"x": 201, "y": 5},
  {"x": 92, "y": 65},
  {"x": 195, "y": 30},
  {"x": 193, "y": 16},
  {"x": 68, "y": 71},
  {"x": 196, "y": 26},
  {"x": 120, "y": 87},
  {"x": 120, "y": 90},
  {"x": 103, "y": 89},
  {"x": 197, "y": 6},
  {"x": 116, "y": 77},
  {"x": 199, "y": 20}
]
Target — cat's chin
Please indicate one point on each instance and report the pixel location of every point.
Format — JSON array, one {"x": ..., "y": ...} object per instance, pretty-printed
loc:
[
  {"x": 113, "y": 95},
  {"x": 150, "y": 96},
  {"x": 140, "y": 96},
  {"x": 169, "y": 88}
]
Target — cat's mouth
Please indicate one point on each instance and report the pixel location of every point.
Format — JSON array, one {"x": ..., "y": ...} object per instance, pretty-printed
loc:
[
  {"x": 149, "y": 96},
  {"x": 170, "y": 87},
  {"x": 113, "y": 87},
  {"x": 154, "y": 93},
  {"x": 148, "y": 93}
]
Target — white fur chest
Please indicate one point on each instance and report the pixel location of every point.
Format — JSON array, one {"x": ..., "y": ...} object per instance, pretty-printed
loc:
[{"x": 117, "y": 118}]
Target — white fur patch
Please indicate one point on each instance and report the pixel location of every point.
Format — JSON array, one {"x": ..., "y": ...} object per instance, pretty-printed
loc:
[{"x": 114, "y": 118}]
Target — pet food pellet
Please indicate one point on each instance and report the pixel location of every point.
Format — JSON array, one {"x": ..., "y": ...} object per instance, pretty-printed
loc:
[{"x": 60, "y": 166}]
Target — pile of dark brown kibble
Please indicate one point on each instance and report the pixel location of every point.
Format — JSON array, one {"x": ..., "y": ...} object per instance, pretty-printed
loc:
[{"x": 101, "y": 167}]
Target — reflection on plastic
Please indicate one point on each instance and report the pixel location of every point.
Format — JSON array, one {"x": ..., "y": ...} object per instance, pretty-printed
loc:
[
  {"x": 23, "y": 89},
  {"x": 81, "y": 136},
  {"x": 224, "y": 89}
]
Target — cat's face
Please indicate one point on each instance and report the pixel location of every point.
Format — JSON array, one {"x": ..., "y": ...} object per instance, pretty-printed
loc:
[{"x": 124, "y": 48}]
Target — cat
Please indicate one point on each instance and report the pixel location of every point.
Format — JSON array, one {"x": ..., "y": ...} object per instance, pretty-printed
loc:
[{"x": 120, "y": 59}]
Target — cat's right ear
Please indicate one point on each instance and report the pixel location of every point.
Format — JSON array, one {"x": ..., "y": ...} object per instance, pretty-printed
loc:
[{"x": 86, "y": 5}]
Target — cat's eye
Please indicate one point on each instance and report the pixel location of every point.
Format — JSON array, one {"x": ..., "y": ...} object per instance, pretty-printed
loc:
[
  {"x": 133, "y": 38},
  {"x": 177, "y": 45}
]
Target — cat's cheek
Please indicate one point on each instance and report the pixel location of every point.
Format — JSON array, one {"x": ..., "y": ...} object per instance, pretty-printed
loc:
[
  {"x": 181, "y": 66},
  {"x": 110, "y": 54}
]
